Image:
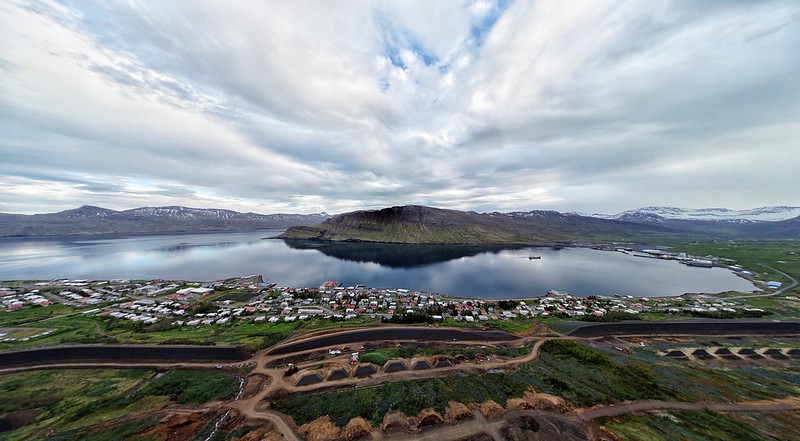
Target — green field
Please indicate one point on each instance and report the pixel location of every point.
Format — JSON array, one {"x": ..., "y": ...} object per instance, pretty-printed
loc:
[
  {"x": 66, "y": 401},
  {"x": 69, "y": 325},
  {"x": 682, "y": 425},
  {"x": 754, "y": 256}
]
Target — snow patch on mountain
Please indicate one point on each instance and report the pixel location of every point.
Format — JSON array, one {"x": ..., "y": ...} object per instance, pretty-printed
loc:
[{"x": 655, "y": 214}]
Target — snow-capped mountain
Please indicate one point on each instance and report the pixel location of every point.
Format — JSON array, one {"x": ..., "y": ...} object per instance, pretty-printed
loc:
[
  {"x": 96, "y": 220},
  {"x": 186, "y": 213},
  {"x": 656, "y": 214}
]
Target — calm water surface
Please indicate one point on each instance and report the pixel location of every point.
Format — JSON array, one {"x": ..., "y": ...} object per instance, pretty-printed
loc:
[{"x": 455, "y": 270}]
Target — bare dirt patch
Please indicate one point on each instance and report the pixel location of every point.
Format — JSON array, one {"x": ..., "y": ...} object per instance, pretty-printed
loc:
[
  {"x": 525, "y": 426},
  {"x": 397, "y": 422},
  {"x": 457, "y": 412},
  {"x": 357, "y": 428},
  {"x": 428, "y": 417},
  {"x": 490, "y": 409},
  {"x": 321, "y": 429},
  {"x": 254, "y": 384},
  {"x": 177, "y": 426}
]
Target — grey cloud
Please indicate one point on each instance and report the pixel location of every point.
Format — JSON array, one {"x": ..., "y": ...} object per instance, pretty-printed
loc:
[{"x": 268, "y": 108}]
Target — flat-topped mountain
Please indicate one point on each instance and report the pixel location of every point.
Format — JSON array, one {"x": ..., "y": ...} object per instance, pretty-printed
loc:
[
  {"x": 146, "y": 220},
  {"x": 420, "y": 224}
]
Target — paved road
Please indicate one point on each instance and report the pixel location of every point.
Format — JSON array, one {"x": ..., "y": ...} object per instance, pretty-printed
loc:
[
  {"x": 776, "y": 293},
  {"x": 694, "y": 328}
]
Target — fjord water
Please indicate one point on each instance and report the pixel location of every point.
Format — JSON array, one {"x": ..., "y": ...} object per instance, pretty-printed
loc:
[{"x": 469, "y": 271}]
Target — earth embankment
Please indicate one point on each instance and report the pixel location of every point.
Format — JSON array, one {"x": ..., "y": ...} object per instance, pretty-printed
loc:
[
  {"x": 122, "y": 353},
  {"x": 688, "y": 328},
  {"x": 384, "y": 334}
]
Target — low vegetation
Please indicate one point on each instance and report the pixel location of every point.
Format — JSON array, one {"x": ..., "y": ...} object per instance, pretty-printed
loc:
[
  {"x": 126, "y": 430},
  {"x": 67, "y": 401},
  {"x": 582, "y": 374},
  {"x": 69, "y": 325},
  {"x": 689, "y": 425},
  {"x": 381, "y": 356},
  {"x": 196, "y": 386}
]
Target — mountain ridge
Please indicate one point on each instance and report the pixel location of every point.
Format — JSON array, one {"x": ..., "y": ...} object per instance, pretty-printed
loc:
[
  {"x": 427, "y": 225},
  {"x": 418, "y": 224},
  {"x": 655, "y": 213},
  {"x": 89, "y": 219}
]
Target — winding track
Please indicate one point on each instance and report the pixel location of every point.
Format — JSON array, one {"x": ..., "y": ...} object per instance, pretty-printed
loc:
[{"x": 251, "y": 407}]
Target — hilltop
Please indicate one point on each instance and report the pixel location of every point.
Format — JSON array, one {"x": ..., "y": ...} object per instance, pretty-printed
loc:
[{"x": 420, "y": 224}]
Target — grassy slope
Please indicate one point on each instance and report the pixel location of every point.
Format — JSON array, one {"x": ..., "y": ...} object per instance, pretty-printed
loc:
[
  {"x": 73, "y": 399},
  {"x": 682, "y": 425},
  {"x": 72, "y": 327}
]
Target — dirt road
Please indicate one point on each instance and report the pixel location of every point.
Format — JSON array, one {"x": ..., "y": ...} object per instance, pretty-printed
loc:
[{"x": 790, "y": 403}]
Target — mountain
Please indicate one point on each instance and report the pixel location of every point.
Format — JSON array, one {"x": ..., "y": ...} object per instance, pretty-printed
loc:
[
  {"x": 146, "y": 220},
  {"x": 419, "y": 224},
  {"x": 759, "y": 223},
  {"x": 656, "y": 214}
]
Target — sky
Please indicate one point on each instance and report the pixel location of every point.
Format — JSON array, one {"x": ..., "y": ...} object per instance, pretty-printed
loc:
[{"x": 302, "y": 107}]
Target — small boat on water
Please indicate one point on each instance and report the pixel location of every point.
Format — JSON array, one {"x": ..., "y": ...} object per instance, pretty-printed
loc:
[{"x": 534, "y": 257}]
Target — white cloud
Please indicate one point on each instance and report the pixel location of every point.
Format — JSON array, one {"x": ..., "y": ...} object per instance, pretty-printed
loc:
[{"x": 301, "y": 106}]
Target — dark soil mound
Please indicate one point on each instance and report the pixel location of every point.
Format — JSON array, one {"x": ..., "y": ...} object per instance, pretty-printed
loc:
[
  {"x": 365, "y": 370},
  {"x": 421, "y": 365},
  {"x": 308, "y": 379},
  {"x": 443, "y": 362},
  {"x": 338, "y": 374},
  {"x": 701, "y": 353},
  {"x": 394, "y": 366}
]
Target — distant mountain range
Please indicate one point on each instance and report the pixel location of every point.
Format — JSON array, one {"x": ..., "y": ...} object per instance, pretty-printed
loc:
[
  {"x": 146, "y": 220},
  {"x": 660, "y": 214},
  {"x": 419, "y": 224},
  {"x": 758, "y": 223},
  {"x": 422, "y": 225}
]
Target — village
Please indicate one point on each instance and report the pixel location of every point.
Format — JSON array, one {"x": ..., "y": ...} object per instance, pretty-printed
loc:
[{"x": 249, "y": 298}]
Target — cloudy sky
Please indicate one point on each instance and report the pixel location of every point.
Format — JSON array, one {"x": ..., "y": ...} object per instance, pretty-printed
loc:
[{"x": 292, "y": 106}]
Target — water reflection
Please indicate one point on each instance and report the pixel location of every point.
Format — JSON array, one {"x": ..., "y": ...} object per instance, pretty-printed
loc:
[
  {"x": 394, "y": 255},
  {"x": 474, "y": 271},
  {"x": 183, "y": 246}
]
